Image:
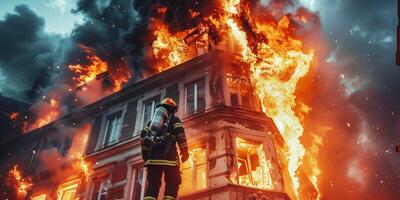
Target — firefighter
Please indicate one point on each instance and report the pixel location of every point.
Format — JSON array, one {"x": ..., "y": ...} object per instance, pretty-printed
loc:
[{"x": 160, "y": 155}]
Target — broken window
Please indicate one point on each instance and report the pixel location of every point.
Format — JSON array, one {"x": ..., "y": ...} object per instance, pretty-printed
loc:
[
  {"x": 113, "y": 128},
  {"x": 67, "y": 191},
  {"x": 240, "y": 91},
  {"x": 148, "y": 109},
  {"x": 195, "y": 97},
  {"x": 99, "y": 190},
  {"x": 194, "y": 171},
  {"x": 138, "y": 183},
  {"x": 253, "y": 168}
]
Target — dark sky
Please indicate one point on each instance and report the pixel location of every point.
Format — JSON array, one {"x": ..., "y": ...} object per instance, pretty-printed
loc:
[{"x": 361, "y": 38}]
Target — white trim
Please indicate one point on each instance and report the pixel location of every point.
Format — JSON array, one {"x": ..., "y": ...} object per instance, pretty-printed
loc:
[
  {"x": 194, "y": 81},
  {"x": 134, "y": 163}
]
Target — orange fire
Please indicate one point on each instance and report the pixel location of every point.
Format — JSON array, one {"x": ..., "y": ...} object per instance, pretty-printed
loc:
[
  {"x": 48, "y": 111},
  {"x": 21, "y": 184},
  {"x": 169, "y": 49},
  {"x": 83, "y": 167},
  {"x": 83, "y": 73},
  {"x": 77, "y": 149},
  {"x": 276, "y": 61}
]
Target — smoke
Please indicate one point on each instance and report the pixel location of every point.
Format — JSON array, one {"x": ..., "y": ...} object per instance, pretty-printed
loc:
[
  {"x": 26, "y": 54},
  {"x": 356, "y": 93},
  {"x": 63, "y": 147},
  {"x": 355, "y": 85}
]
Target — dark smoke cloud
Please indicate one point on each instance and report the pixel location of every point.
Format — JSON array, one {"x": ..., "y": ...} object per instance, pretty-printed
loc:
[{"x": 26, "y": 53}]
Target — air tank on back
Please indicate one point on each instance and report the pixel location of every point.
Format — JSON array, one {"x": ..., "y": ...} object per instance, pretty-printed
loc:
[{"x": 159, "y": 118}]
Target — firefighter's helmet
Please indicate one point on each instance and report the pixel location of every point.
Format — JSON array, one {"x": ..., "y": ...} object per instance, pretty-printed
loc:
[{"x": 169, "y": 103}]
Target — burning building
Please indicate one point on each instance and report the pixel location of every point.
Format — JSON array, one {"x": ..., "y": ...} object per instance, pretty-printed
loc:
[
  {"x": 233, "y": 74},
  {"x": 236, "y": 151}
]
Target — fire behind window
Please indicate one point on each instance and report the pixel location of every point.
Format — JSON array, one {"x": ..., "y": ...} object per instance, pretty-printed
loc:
[
  {"x": 67, "y": 192},
  {"x": 194, "y": 172},
  {"x": 39, "y": 197},
  {"x": 253, "y": 168}
]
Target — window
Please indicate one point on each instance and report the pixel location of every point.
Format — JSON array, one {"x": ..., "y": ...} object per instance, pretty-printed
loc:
[
  {"x": 100, "y": 188},
  {"x": 67, "y": 191},
  {"x": 39, "y": 197},
  {"x": 194, "y": 171},
  {"x": 253, "y": 168},
  {"x": 113, "y": 128},
  {"x": 240, "y": 91},
  {"x": 195, "y": 97},
  {"x": 138, "y": 184},
  {"x": 234, "y": 99},
  {"x": 148, "y": 110}
]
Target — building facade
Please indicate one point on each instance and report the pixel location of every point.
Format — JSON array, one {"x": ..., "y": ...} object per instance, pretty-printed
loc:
[{"x": 236, "y": 151}]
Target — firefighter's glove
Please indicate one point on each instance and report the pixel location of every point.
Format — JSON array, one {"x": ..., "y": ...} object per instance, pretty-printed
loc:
[{"x": 184, "y": 156}]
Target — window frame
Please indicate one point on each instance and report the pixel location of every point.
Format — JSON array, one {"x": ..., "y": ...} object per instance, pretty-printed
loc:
[
  {"x": 68, "y": 186},
  {"x": 237, "y": 88},
  {"x": 106, "y": 141},
  {"x": 140, "y": 108},
  {"x": 185, "y": 94},
  {"x": 103, "y": 181},
  {"x": 101, "y": 141},
  {"x": 250, "y": 139},
  {"x": 204, "y": 145},
  {"x": 42, "y": 196},
  {"x": 132, "y": 173}
]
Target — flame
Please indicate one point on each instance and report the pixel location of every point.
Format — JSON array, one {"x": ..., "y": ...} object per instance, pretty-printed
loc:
[
  {"x": 21, "y": 184},
  {"x": 169, "y": 49},
  {"x": 275, "y": 71},
  {"x": 276, "y": 61},
  {"x": 77, "y": 149},
  {"x": 83, "y": 167},
  {"x": 260, "y": 177},
  {"x": 50, "y": 111},
  {"x": 83, "y": 73}
]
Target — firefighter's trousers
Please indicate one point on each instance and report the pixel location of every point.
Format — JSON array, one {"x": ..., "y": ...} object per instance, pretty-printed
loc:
[{"x": 172, "y": 179}]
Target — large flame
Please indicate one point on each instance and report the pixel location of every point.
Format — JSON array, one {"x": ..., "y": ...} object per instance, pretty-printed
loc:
[
  {"x": 21, "y": 184},
  {"x": 276, "y": 60},
  {"x": 47, "y": 111},
  {"x": 86, "y": 73},
  {"x": 164, "y": 40},
  {"x": 49, "y": 108}
]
